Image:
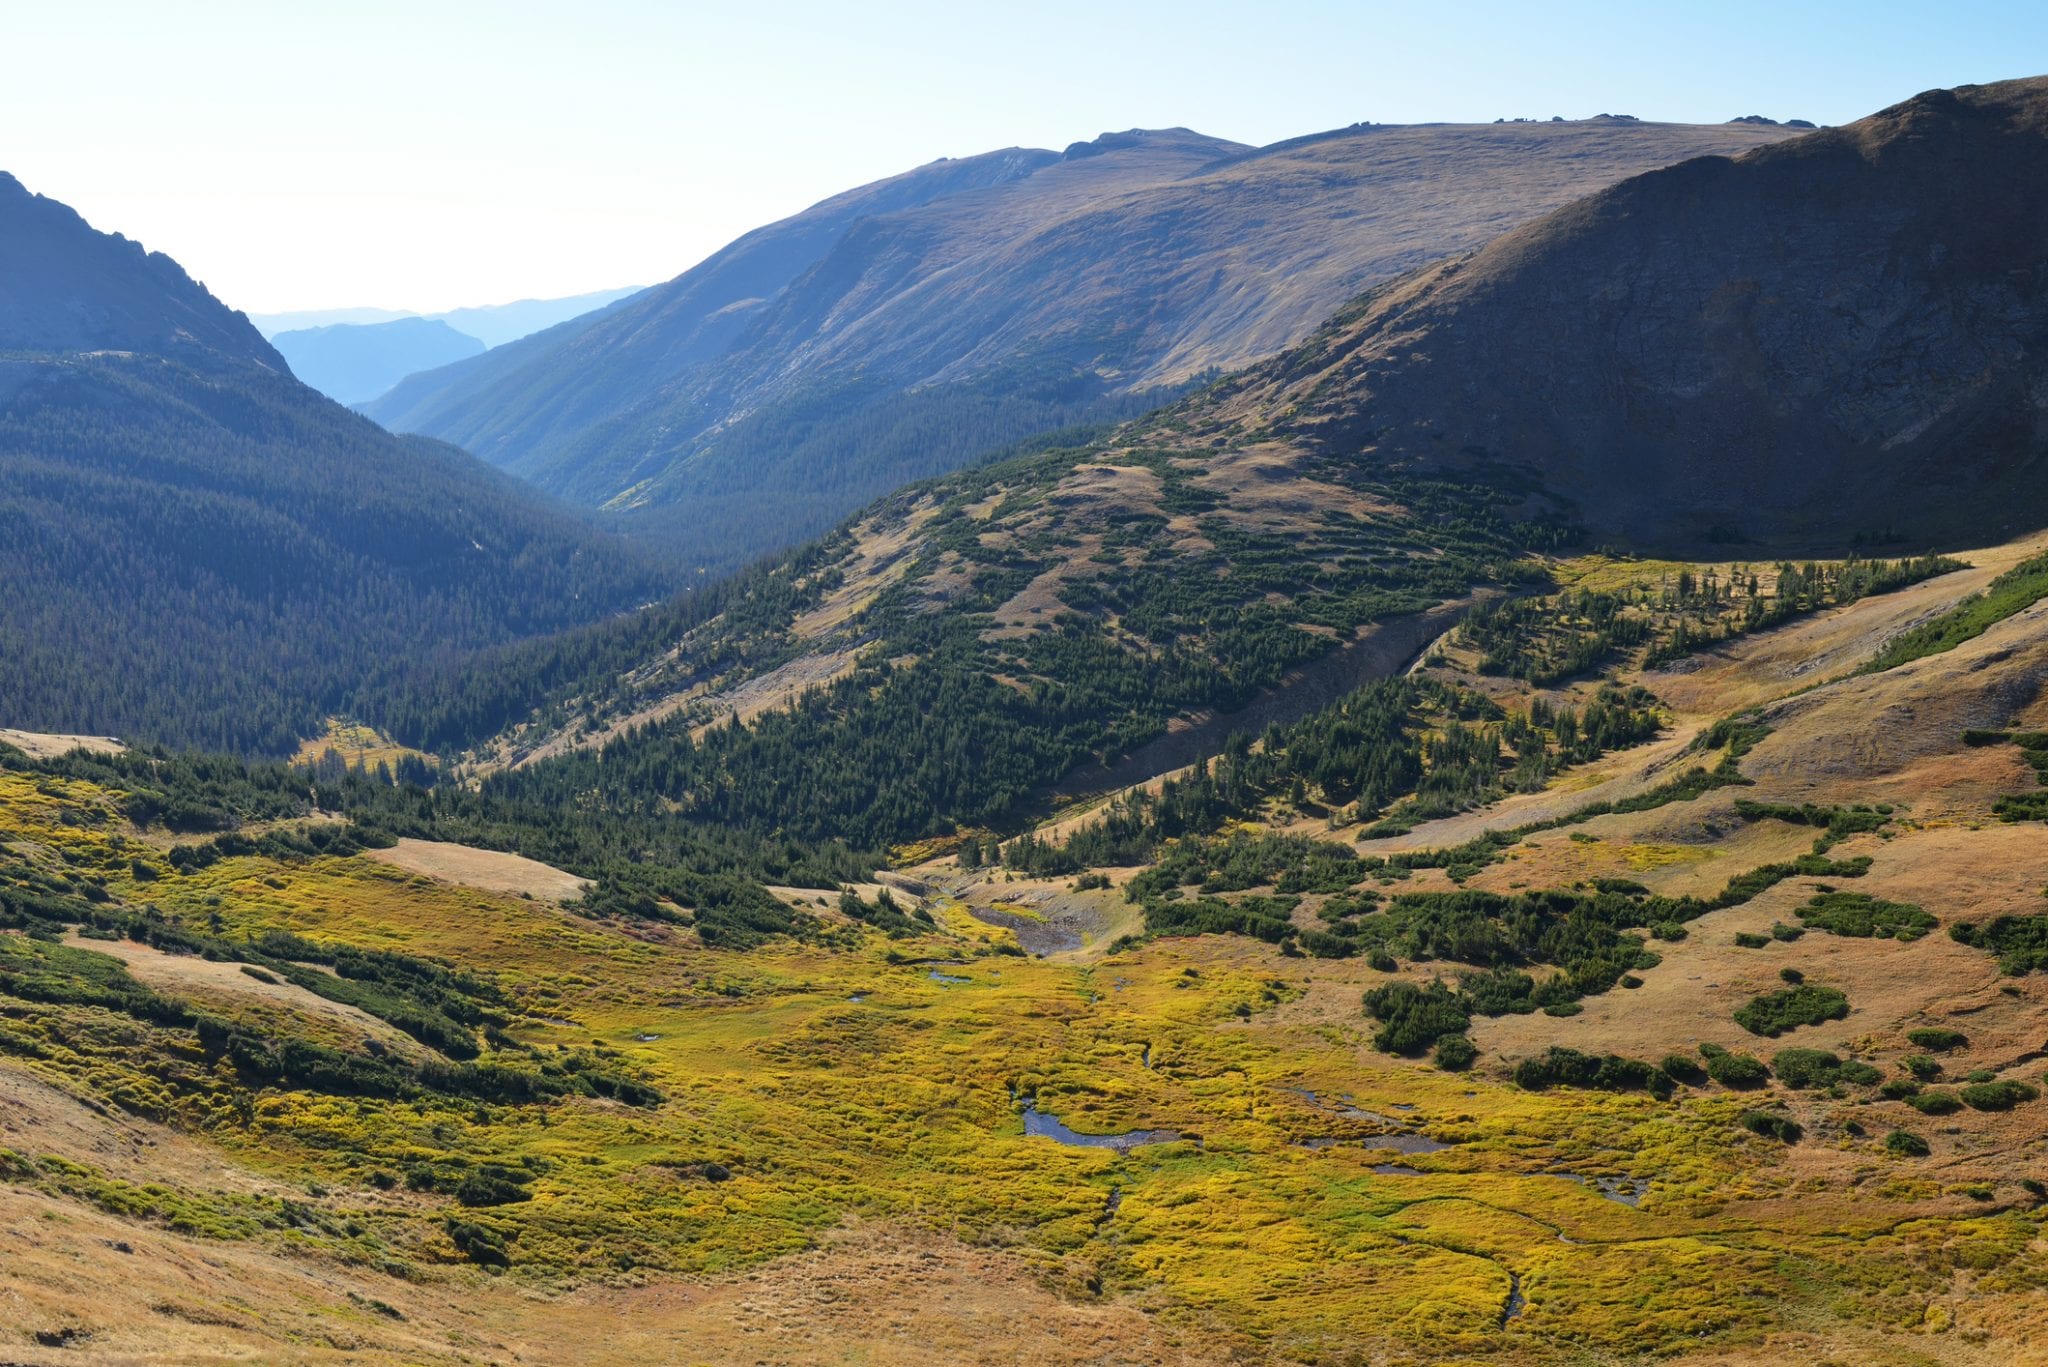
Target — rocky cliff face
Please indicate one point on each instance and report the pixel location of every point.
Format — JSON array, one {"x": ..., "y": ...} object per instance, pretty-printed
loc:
[{"x": 1834, "y": 340}]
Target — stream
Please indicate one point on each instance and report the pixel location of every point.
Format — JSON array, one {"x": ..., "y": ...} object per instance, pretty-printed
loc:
[{"x": 1044, "y": 1126}]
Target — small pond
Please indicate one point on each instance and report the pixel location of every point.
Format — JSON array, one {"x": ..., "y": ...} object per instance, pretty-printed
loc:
[{"x": 1044, "y": 1126}]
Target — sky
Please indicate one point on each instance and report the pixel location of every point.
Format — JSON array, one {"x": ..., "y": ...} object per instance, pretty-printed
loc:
[{"x": 439, "y": 153}]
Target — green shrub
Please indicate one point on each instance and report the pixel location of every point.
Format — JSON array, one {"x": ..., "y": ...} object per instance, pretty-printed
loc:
[
  {"x": 1921, "y": 1066},
  {"x": 1456, "y": 1053},
  {"x": 1803, "y": 1068},
  {"x": 1771, "y": 1125},
  {"x": 1906, "y": 1144},
  {"x": 1737, "y": 1070},
  {"x": 1792, "y": 976},
  {"x": 1861, "y": 916},
  {"x": 1997, "y": 1096},
  {"x": 1777, "y": 1012},
  {"x": 1679, "y": 1068},
  {"x": 1899, "y": 1088},
  {"x": 2020, "y": 942},
  {"x": 1747, "y": 940},
  {"x": 1935, "y": 1103},
  {"x": 479, "y": 1243},
  {"x": 1414, "y": 1018},
  {"x": 1938, "y": 1038},
  {"x": 487, "y": 1189},
  {"x": 1609, "y": 1073}
]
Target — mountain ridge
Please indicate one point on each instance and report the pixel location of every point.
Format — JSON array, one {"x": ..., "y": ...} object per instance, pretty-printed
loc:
[
  {"x": 354, "y": 362},
  {"x": 1064, "y": 291},
  {"x": 65, "y": 287},
  {"x": 1065, "y": 608},
  {"x": 200, "y": 549},
  {"x": 1724, "y": 378}
]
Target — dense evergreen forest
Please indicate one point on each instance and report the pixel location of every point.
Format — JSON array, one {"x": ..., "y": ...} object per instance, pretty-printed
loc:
[
  {"x": 940, "y": 726},
  {"x": 646, "y": 865},
  {"x": 207, "y": 553}
]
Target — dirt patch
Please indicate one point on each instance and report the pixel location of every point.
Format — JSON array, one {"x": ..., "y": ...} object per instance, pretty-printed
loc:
[
  {"x": 39, "y": 1118},
  {"x": 120, "y": 1293},
  {"x": 777, "y": 688},
  {"x": 486, "y": 870},
  {"x": 880, "y": 558},
  {"x": 50, "y": 745},
  {"x": 188, "y": 974},
  {"x": 871, "y": 1295},
  {"x": 1265, "y": 489}
]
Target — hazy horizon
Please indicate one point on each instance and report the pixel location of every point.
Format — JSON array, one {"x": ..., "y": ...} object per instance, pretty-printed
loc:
[{"x": 476, "y": 155}]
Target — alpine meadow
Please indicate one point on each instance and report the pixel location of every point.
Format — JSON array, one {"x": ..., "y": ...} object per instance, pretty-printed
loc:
[{"x": 1392, "y": 743}]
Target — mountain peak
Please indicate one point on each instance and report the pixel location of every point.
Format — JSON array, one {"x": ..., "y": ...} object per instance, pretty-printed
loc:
[
  {"x": 65, "y": 287},
  {"x": 1138, "y": 137}
]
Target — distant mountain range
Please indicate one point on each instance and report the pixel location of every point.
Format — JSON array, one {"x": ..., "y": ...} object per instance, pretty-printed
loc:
[
  {"x": 491, "y": 324},
  {"x": 354, "y": 355},
  {"x": 199, "y": 549},
  {"x": 354, "y": 362},
  {"x": 907, "y": 327}
]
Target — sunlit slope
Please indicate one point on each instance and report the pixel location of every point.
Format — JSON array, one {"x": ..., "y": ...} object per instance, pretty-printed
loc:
[
  {"x": 905, "y": 328},
  {"x": 847, "y": 1116}
]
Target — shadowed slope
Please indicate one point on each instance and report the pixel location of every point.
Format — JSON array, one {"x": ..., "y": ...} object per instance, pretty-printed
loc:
[{"x": 1834, "y": 339}]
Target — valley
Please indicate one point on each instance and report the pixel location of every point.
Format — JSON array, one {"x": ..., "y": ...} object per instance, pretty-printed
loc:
[
  {"x": 1414, "y": 746},
  {"x": 850, "y": 1107}
]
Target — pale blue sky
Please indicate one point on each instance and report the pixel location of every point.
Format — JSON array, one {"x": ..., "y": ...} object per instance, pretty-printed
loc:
[{"x": 426, "y": 155}]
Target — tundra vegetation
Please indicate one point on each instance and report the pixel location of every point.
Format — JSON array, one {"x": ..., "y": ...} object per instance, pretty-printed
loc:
[{"x": 733, "y": 1042}]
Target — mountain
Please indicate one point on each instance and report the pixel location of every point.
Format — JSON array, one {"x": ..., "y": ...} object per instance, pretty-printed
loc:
[
  {"x": 200, "y": 549},
  {"x": 1833, "y": 341},
  {"x": 905, "y": 328},
  {"x": 497, "y": 324},
  {"x": 1250, "y": 888},
  {"x": 1776, "y": 331},
  {"x": 270, "y": 324},
  {"x": 491, "y": 324},
  {"x": 354, "y": 362},
  {"x": 64, "y": 287}
]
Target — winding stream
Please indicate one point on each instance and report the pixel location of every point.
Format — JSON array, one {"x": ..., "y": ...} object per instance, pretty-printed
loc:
[{"x": 1038, "y": 1123}]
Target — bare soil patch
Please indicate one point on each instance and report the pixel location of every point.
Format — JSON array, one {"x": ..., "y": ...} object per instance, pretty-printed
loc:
[
  {"x": 50, "y": 745},
  {"x": 188, "y": 974},
  {"x": 486, "y": 870}
]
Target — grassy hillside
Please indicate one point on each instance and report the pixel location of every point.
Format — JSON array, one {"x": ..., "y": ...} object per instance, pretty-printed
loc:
[
  {"x": 975, "y": 646},
  {"x": 508, "y": 1116}
]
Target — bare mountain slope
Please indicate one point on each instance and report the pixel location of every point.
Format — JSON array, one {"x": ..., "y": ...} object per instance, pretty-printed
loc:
[
  {"x": 908, "y": 327},
  {"x": 1838, "y": 338}
]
